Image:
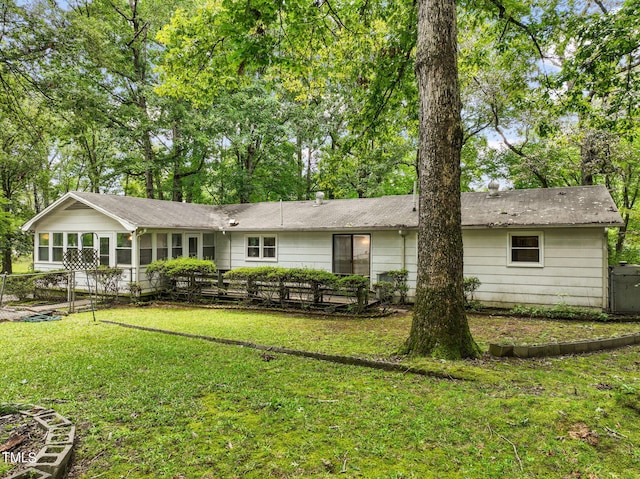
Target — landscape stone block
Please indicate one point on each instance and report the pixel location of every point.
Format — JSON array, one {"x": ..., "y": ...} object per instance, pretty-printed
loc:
[
  {"x": 36, "y": 411},
  {"x": 61, "y": 435},
  {"x": 501, "y": 349},
  {"x": 52, "y": 420},
  {"x": 53, "y": 458}
]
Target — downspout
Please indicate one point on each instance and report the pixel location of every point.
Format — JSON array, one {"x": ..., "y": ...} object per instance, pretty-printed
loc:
[
  {"x": 403, "y": 248},
  {"x": 230, "y": 246},
  {"x": 606, "y": 306}
]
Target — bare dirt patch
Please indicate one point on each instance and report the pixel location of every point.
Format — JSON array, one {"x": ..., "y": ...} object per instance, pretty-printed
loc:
[{"x": 21, "y": 438}]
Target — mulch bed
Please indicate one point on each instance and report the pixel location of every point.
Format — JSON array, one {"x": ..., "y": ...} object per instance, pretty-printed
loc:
[{"x": 22, "y": 438}]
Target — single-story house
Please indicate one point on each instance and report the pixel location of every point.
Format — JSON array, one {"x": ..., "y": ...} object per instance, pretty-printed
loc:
[{"x": 538, "y": 246}]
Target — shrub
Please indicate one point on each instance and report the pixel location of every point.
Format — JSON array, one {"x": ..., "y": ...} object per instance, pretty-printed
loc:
[
  {"x": 559, "y": 311},
  {"x": 180, "y": 276},
  {"x": 181, "y": 267},
  {"x": 399, "y": 284},
  {"x": 263, "y": 282},
  {"x": 385, "y": 291},
  {"x": 52, "y": 285},
  {"x": 107, "y": 280},
  {"x": 20, "y": 286},
  {"x": 470, "y": 285}
]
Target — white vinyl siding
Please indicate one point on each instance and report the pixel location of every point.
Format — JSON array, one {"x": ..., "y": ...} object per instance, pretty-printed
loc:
[
  {"x": 315, "y": 250},
  {"x": 572, "y": 272}
]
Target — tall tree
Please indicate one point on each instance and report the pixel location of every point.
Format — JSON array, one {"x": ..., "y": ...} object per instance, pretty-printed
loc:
[{"x": 440, "y": 326}]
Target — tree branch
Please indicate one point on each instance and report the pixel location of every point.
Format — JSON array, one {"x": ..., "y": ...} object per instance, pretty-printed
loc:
[{"x": 502, "y": 13}]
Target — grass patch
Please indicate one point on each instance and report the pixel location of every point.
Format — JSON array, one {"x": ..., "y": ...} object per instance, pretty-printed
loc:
[
  {"x": 150, "y": 405},
  {"x": 23, "y": 264}
]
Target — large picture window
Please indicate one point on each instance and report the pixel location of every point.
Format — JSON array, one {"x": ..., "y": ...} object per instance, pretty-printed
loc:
[
  {"x": 526, "y": 249},
  {"x": 352, "y": 254},
  {"x": 261, "y": 248}
]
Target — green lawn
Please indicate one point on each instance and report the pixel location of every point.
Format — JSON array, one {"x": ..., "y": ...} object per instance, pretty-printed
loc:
[
  {"x": 22, "y": 265},
  {"x": 149, "y": 405}
]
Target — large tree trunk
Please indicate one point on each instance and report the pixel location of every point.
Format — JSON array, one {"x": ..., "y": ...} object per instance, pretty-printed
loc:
[{"x": 440, "y": 325}]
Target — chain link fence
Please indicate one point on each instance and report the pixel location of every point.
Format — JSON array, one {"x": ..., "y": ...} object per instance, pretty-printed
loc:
[{"x": 27, "y": 295}]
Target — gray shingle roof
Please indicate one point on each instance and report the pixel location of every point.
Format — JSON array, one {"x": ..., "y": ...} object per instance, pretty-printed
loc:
[
  {"x": 146, "y": 213},
  {"x": 572, "y": 206}
]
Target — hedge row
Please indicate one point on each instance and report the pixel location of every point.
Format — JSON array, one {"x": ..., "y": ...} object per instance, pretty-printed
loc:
[
  {"x": 187, "y": 277},
  {"x": 271, "y": 283}
]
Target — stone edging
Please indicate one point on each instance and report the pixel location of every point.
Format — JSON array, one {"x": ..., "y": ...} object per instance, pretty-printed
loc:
[
  {"x": 51, "y": 462},
  {"x": 559, "y": 349},
  {"x": 333, "y": 358}
]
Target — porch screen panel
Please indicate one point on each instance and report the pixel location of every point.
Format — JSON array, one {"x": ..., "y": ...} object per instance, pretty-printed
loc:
[
  {"x": 162, "y": 246},
  {"x": 146, "y": 249},
  {"x": 342, "y": 254},
  {"x": 193, "y": 246},
  {"x": 176, "y": 245}
]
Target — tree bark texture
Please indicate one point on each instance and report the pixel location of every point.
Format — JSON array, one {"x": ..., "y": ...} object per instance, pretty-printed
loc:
[{"x": 440, "y": 326}]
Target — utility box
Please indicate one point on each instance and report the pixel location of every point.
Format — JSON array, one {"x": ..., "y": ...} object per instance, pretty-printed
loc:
[{"x": 624, "y": 288}]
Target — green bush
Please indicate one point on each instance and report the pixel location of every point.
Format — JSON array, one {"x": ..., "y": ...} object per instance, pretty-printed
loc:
[
  {"x": 181, "y": 267},
  {"x": 107, "y": 280},
  {"x": 470, "y": 285},
  {"x": 265, "y": 281},
  {"x": 399, "y": 284},
  {"x": 52, "y": 285},
  {"x": 181, "y": 276},
  {"x": 559, "y": 311},
  {"x": 385, "y": 291},
  {"x": 20, "y": 286}
]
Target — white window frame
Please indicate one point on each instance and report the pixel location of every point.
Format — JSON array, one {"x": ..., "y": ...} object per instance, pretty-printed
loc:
[
  {"x": 261, "y": 247},
  {"x": 525, "y": 264}
]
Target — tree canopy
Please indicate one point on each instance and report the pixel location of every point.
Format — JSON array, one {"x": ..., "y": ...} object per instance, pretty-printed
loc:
[{"x": 224, "y": 101}]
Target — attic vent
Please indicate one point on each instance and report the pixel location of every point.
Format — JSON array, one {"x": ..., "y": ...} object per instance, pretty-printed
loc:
[
  {"x": 494, "y": 188},
  {"x": 77, "y": 206}
]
